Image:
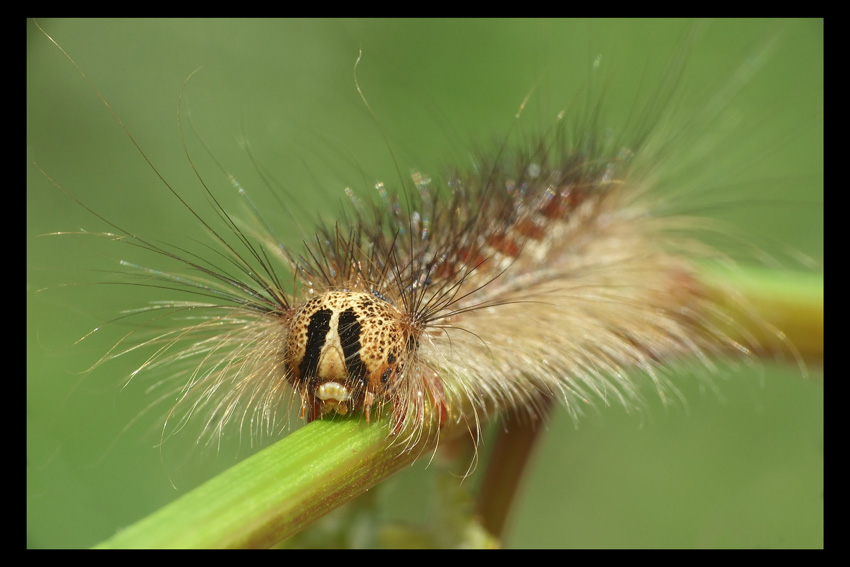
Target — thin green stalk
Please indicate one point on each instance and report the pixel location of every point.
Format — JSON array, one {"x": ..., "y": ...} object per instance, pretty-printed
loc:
[{"x": 513, "y": 451}]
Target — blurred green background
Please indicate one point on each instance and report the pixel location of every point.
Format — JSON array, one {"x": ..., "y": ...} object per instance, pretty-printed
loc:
[{"x": 740, "y": 467}]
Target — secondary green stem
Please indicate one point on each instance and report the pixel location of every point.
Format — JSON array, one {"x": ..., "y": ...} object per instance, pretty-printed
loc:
[{"x": 781, "y": 311}]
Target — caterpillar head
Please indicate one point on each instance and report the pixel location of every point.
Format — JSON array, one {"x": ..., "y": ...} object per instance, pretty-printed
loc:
[{"x": 345, "y": 352}]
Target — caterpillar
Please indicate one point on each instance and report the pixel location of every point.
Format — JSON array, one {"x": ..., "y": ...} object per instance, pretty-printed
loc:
[{"x": 389, "y": 286}]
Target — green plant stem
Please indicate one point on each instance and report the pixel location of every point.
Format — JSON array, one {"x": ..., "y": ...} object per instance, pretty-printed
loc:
[{"x": 274, "y": 494}]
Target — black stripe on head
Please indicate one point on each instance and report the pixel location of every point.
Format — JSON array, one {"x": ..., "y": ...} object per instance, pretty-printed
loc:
[
  {"x": 349, "y": 336},
  {"x": 317, "y": 331}
]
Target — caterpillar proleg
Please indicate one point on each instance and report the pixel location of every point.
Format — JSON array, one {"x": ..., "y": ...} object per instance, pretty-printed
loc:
[{"x": 288, "y": 105}]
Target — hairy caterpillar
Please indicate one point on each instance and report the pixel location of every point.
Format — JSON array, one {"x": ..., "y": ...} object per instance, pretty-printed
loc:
[{"x": 172, "y": 147}]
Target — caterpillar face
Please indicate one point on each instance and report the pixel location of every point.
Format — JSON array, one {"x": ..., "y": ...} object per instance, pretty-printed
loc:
[{"x": 345, "y": 351}]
